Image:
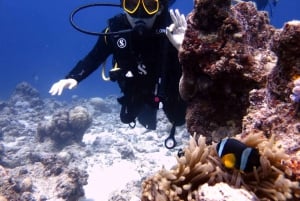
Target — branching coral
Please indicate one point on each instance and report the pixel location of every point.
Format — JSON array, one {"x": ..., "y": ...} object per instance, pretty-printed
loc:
[{"x": 201, "y": 165}]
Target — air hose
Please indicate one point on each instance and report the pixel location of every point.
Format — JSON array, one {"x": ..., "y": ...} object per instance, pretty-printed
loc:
[{"x": 80, "y": 8}]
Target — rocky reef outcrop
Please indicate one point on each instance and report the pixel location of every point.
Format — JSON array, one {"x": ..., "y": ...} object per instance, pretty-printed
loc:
[
  {"x": 88, "y": 167},
  {"x": 25, "y": 94},
  {"x": 238, "y": 74},
  {"x": 65, "y": 126},
  {"x": 29, "y": 169},
  {"x": 271, "y": 111},
  {"x": 23, "y": 182},
  {"x": 225, "y": 54}
]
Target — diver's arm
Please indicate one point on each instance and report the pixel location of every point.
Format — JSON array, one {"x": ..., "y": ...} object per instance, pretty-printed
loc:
[
  {"x": 58, "y": 87},
  {"x": 175, "y": 32},
  {"x": 91, "y": 62},
  {"x": 83, "y": 68}
]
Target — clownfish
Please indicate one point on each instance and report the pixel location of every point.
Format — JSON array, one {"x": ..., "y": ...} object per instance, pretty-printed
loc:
[{"x": 235, "y": 154}]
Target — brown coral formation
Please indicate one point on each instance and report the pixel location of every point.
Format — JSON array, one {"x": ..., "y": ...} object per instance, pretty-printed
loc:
[
  {"x": 26, "y": 94},
  {"x": 201, "y": 165},
  {"x": 65, "y": 126},
  {"x": 225, "y": 54},
  {"x": 30, "y": 182},
  {"x": 238, "y": 74},
  {"x": 286, "y": 45},
  {"x": 271, "y": 111}
]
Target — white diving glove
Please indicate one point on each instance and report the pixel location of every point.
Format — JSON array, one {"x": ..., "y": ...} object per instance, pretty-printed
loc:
[
  {"x": 58, "y": 87},
  {"x": 175, "y": 32},
  {"x": 295, "y": 96}
]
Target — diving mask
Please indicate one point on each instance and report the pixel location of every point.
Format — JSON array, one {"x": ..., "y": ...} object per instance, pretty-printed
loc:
[{"x": 134, "y": 7}]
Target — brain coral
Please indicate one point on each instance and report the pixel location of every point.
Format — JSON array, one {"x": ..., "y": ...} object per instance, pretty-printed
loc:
[
  {"x": 79, "y": 118},
  {"x": 65, "y": 126}
]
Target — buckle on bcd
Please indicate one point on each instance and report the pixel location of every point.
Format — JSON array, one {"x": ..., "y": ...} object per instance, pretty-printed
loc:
[
  {"x": 170, "y": 141},
  {"x": 132, "y": 124}
]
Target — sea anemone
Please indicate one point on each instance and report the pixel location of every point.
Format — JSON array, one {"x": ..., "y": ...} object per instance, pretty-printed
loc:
[{"x": 201, "y": 164}]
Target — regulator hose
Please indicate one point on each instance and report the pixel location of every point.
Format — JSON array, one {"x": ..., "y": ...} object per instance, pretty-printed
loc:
[{"x": 76, "y": 10}]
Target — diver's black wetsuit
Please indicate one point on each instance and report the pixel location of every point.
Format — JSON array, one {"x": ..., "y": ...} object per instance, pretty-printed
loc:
[{"x": 150, "y": 59}]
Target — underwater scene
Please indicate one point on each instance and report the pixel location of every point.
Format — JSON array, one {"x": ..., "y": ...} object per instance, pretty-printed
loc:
[
  {"x": 53, "y": 46},
  {"x": 150, "y": 100}
]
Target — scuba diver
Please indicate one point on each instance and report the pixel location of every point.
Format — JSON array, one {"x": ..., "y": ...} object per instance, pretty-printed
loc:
[{"x": 145, "y": 63}]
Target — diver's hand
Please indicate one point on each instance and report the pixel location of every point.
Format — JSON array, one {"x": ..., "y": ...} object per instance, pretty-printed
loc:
[
  {"x": 58, "y": 87},
  {"x": 295, "y": 96},
  {"x": 175, "y": 32}
]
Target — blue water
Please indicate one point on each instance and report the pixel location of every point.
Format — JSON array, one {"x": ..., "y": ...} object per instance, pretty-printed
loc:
[{"x": 39, "y": 46}]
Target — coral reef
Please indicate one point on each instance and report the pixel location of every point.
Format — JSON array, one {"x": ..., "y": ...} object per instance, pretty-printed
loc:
[
  {"x": 286, "y": 45},
  {"x": 108, "y": 149},
  {"x": 23, "y": 182},
  {"x": 271, "y": 111},
  {"x": 238, "y": 74},
  {"x": 200, "y": 165},
  {"x": 225, "y": 54},
  {"x": 26, "y": 94},
  {"x": 65, "y": 126},
  {"x": 24, "y": 100},
  {"x": 70, "y": 185},
  {"x": 99, "y": 105}
]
